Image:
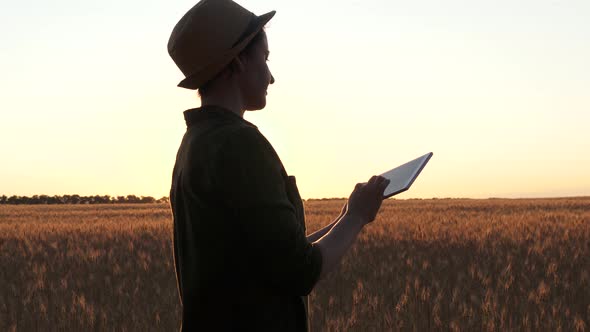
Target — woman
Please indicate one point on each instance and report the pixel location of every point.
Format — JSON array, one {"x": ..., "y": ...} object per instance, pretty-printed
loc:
[{"x": 242, "y": 259}]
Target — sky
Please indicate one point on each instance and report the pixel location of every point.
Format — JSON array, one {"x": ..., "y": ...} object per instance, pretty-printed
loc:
[{"x": 499, "y": 91}]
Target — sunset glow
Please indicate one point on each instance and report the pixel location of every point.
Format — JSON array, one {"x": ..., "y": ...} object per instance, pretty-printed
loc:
[{"x": 499, "y": 91}]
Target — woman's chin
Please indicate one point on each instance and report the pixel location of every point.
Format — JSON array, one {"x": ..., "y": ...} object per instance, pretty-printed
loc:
[{"x": 258, "y": 105}]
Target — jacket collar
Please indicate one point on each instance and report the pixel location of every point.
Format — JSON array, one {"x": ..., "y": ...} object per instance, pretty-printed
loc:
[{"x": 205, "y": 113}]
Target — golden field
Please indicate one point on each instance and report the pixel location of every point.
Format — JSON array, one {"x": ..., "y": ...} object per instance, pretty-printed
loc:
[{"x": 440, "y": 265}]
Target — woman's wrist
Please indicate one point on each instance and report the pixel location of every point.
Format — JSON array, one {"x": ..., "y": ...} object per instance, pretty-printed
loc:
[{"x": 355, "y": 218}]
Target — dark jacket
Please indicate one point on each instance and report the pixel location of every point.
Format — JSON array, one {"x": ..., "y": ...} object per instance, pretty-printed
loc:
[{"x": 241, "y": 254}]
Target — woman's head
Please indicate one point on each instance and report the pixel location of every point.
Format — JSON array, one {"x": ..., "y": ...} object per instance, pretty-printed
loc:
[
  {"x": 248, "y": 73},
  {"x": 209, "y": 36}
]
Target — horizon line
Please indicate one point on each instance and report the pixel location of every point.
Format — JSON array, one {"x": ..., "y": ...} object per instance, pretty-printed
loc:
[{"x": 327, "y": 198}]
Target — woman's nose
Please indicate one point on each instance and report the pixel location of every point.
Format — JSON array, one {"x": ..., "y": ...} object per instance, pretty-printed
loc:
[{"x": 272, "y": 79}]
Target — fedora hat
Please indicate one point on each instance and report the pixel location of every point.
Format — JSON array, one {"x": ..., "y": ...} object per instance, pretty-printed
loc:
[{"x": 209, "y": 36}]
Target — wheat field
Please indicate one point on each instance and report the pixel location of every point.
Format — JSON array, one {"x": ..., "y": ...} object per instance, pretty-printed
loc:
[{"x": 422, "y": 265}]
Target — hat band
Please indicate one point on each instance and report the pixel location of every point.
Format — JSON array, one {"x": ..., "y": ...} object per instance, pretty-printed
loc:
[{"x": 252, "y": 26}]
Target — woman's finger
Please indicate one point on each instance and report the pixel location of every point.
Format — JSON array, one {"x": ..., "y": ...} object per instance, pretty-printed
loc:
[
  {"x": 373, "y": 179},
  {"x": 383, "y": 187}
]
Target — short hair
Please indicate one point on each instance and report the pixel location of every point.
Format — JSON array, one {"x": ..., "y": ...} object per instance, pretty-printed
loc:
[{"x": 245, "y": 52}]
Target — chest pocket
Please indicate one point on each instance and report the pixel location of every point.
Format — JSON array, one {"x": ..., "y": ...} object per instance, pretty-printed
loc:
[{"x": 295, "y": 199}]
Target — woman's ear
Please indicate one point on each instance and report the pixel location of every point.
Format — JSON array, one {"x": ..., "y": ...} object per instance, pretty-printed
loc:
[
  {"x": 238, "y": 63},
  {"x": 234, "y": 67}
]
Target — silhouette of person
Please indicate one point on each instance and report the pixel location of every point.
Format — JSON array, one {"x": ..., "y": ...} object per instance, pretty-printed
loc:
[{"x": 242, "y": 258}]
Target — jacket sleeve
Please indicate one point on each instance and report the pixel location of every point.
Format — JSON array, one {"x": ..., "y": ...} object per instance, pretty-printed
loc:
[{"x": 249, "y": 178}]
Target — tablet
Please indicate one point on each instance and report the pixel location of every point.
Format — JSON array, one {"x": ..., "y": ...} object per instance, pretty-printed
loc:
[{"x": 402, "y": 177}]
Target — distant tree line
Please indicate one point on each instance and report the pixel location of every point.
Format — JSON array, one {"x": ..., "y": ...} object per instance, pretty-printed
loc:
[{"x": 77, "y": 199}]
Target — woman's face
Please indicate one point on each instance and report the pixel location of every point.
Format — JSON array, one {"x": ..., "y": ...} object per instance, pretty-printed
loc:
[{"x": 256, "y": 77}]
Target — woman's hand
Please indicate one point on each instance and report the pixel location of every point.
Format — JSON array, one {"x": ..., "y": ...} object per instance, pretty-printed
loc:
[{"x": 365, "y": 200}]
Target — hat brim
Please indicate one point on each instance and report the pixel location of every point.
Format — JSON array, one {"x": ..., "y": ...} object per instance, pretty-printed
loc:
[{"x": 196, "y": 80}]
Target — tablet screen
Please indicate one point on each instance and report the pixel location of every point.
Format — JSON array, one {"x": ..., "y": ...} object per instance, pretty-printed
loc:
[{"x": 402, "y": 177}]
